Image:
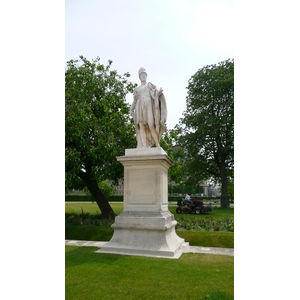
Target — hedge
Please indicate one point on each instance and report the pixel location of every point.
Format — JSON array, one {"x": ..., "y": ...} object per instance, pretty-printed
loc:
[
  {"x": 89, "y": 198},
  {"x": 119, "y": 198},
  {"x": 79, "y": 198},
  {"x": 176, "y": 198}
]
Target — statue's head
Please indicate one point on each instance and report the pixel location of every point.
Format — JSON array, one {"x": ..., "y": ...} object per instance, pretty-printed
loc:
[{"x": 142, "y": 70}]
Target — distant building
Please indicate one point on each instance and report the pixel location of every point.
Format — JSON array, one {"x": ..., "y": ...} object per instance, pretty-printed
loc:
[
  {"x": 211, "y": 189},
  {"x": 119, "y": 189}
]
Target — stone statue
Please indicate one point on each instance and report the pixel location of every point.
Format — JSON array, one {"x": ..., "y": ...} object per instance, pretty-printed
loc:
[{"x": 149, "y": 112}]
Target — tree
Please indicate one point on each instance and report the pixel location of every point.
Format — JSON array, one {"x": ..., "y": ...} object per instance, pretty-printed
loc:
[
  {"x": 178, "y": 173},
  {"x": 169, "y": 142},
  {"x": 97, "y": 126},
  {"x": 207, "y": 126},
  {"x": 230, "y": 188}
]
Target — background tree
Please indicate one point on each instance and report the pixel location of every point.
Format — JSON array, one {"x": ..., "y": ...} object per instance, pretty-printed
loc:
[
  {"x": 230, "y": 187},
  {"x": 207, "y": 128},
  {"x": 106, "y": 188},
  {"x": 170, "y": 143},
  {"x": 178, "y": 173},
  {"x": 97, "y": 126}
]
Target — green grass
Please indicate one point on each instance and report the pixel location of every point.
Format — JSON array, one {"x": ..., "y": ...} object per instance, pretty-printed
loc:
[
  {"x": 90, "y": 207},
  {"x": 88, "y": 233},
  {"x": 93, "y": 209},
  {"x": 194, "y": 237},
  {"x": 90, "y": 275},
  {"x": 208, "y": 239}
]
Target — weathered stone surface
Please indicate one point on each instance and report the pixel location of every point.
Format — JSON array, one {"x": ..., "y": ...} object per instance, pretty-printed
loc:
[
  {"x": 146, "y": 226},
  {"x": 149, "y": 112}
]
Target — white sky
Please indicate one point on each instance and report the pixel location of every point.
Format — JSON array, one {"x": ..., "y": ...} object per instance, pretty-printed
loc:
[{"x": 171, "y": 39}]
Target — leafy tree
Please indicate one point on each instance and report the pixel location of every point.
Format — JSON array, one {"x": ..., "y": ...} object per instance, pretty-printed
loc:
[
  {"x": 178, "y": 173},
  {"x": 230, "y": 188},
  {"x": 170, "y": 143},
  {"x": 207, "y": 126},
  {"x": 97, "y": 126},
  {"x": 106, "y": 188},
  {"x": 199, "y": 189}
]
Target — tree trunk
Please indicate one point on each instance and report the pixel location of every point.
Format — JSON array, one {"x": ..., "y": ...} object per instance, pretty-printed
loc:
[
  {"x": 92, "y": 185},
  {"x": 224, "y": 194}
]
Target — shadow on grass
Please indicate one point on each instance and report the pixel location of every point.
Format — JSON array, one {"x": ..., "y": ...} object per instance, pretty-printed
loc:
[
  {"x": 88, "y": 233},
  {"x": 75, "y": 257}
]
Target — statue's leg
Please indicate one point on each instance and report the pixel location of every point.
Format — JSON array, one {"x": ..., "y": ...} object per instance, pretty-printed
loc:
[
  {"x": 138, "y": 137},
  {"x": 154, "y": 135},
  {"x": 142, "y": 135}
]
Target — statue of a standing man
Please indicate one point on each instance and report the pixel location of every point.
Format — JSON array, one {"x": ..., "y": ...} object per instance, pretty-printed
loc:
[{"x": 149, "y": 112}]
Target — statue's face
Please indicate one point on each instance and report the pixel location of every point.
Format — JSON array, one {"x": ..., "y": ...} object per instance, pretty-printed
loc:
[{"x": 143, "y": 76}]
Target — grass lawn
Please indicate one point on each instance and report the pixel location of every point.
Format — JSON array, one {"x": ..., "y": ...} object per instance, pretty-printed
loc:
[
  {"x": 90, "y": 275},
  {"x": 194, "y": 237},
  {"x": 93, "y": 209},
  {"x": 207, "y": 238},
  {"x": 90, "y": 207}
]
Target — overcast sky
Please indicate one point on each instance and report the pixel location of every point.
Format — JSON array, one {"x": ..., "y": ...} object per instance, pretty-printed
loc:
[{"x": 172, "y": 39}]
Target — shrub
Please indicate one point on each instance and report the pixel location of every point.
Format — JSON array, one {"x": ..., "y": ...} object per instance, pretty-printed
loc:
[
  {"x": 176, "y": 198},
  {"x": 106, "y": 188},
  {"x": 207, "y": 224},
  {"x": 120, "y": 198},
  {"x": 89, "y": 198},
  {"x": 79, "y": 198},
  {"x": 86, "y": 219}
]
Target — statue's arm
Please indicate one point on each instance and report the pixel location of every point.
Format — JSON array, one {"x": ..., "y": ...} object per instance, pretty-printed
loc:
[
  {"x": 132, "y": 108},
  {"x": 160, "y": 92},
  {"x": 163, "y": 107},
  {"x": 155, "y": 93}
]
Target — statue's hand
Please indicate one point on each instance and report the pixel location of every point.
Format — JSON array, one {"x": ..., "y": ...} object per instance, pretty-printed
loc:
[{"x": 160, "y": 91}]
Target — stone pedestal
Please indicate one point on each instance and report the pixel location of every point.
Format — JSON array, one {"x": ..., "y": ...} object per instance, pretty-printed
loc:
[{"x": 146, "y": 227}]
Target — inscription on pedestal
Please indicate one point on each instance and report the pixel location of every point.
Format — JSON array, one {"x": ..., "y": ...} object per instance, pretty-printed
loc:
[{"x": 139, "y": 188}]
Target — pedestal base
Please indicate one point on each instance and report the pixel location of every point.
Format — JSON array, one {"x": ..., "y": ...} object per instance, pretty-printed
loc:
[
  {"x": 145, "y": 227},
  {"x": 145, "y": 234}
]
